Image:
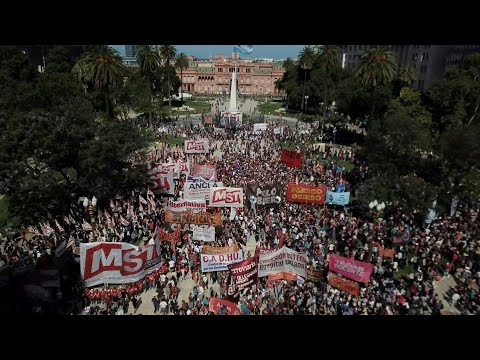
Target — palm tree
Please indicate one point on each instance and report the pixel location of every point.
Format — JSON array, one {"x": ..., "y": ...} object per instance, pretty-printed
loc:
[
  {"x": 306, "y": 58},
  {"x": 148, "y": 61},
  {"x": 377, "y": 67},
  {"x": 168, "y": 53},
  {"x": 288, "y": 64},
  {"x": 104, "y": 69},
  {"x": 182, "y": 63},
  {"x": 408, "y": 75},
  {"x": 79, "y": 72},
  {"x": 328, "y": 60}
]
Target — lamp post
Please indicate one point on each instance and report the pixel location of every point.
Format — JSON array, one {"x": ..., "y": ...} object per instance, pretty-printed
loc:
[
  {"x": 90, "y": 206},
  {"x": 306, "y": 103},
  {"x": 375, "y": 208},
  {"x": 334, "y": 133}
]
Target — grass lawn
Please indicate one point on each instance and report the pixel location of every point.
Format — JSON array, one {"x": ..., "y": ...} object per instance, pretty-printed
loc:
[
  {"x": 270, "y": 107},
  {"x": 172, "y": 140},
  {"x": 403, "y": 272},
  {"x": 199, "y": 106},
  {"x": 345, "y": 163},
  {"x": 3, "y": 211}
]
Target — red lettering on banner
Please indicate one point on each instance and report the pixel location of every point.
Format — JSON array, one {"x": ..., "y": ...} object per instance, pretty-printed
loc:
[
  {"x": 195, "y": 146},
  {"x": 229, "y": 197},
  {"x": 221, "y": 258}
]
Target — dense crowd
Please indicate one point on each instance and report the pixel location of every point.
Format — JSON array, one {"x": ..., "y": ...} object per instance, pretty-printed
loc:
[{"x": 400, "y": 284}]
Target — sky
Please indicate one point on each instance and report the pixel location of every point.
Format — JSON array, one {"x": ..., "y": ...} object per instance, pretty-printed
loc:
[{"x": 259, "y": 51}]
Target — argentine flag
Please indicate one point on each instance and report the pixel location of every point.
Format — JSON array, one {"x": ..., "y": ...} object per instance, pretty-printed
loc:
[{"x": 244, "y": 49}]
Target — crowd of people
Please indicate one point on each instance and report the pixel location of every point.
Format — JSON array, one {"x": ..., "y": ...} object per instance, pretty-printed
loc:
[{"x": 402, "y": 283}]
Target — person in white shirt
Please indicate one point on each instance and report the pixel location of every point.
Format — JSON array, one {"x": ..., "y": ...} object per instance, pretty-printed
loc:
[
  {"x": 171, "y": 265},
  {"x": 163, "y": 307}
]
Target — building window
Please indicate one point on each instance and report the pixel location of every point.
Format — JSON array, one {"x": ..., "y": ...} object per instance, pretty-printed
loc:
[
  {"x": 248, "y": 80},
  {"x": 219, "y": 89},
  {"x": 220, "y": 79}
]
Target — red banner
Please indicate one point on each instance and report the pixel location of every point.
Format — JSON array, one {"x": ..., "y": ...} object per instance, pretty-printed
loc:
[
  {"x": 292, "y": 158},
  {"x": 384, "y": 251},
  {"x": 309, "y": 194},
  {"x": 188, "y": 217},
  {"x": 164, "y": 235},
  {"x": 282, "y": 276},
  {"x": 348, "y": 286},
  {"x": 214, "y": 306},
  {"x": 314, "y": 275},
  {"x": 352, "y": 269},
  {"x": 208, "y": 172}
]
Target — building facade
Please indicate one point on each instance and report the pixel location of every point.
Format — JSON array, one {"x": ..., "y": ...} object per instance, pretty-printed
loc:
[
  {"x": 429, "y": 60},
  {"x": 458, "y": 53},
  {"x": 213, "y": 76}
]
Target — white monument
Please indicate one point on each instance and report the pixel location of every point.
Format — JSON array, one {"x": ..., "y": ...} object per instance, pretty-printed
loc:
[{"x": 233, "y": 117}]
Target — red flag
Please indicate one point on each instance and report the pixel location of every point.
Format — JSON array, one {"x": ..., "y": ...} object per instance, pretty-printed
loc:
[
  {"x": 292, "y": 158},
  {"x": 123, "y": 221}
]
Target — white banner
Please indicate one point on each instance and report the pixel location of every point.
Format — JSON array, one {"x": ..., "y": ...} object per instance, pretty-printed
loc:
[
  {"x": 196, "y": 146},
  {"x": 226, "y": 197},
  {"x": 278, "y": 130},
  {"x": 117, "y": 263},
  {"x": 282, "y": 260},
  {"x": 187, "y": 205},
  {"x": 199, "y": 190},
  {"x": 260, "y": 127},
  {"x": 219, "y": 262},
  {"x": 204, "y": 233}
]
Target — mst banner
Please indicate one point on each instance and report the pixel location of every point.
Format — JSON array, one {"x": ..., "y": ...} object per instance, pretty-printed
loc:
[
  {"x": 226, "y": 197},
  {"x": 189, "y": 217},
  {"x": 214, "y": 305},
  {"x": 265, "y": 194},
  {"x": 338, "y": 198},
  {"x": 283, "y": 260},
  {"x": 219, "y": 262},
  {"x": 196, "y": 146},
  {"x": 292, "y": 158},
  {"x": 204, "y": 233},
  {"x": 208, "y": 172},
  {"x": 348, "y": 286},
  {"x": 187, "y": 205},
  {"x": 117, "y": 263},
  {"x": 199, "y": 190},
  {"x": 309, "y": 194},
  {"x": 352, "y": 269}
]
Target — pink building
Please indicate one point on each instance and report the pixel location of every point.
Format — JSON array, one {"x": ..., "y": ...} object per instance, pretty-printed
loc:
[{"x": 214, "y": 76}]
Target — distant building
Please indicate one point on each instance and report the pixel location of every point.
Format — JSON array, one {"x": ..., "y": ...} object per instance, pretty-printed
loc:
[
  {"x": 429, "y": 60},
  {"x": 131, "y": 51},
  {"x": 213, "y": 76}
]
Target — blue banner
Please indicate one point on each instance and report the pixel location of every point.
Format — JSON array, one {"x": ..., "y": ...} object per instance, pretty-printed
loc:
[
  {"x": 336, "y": 198},
  {"x": 340, "y": 188}
]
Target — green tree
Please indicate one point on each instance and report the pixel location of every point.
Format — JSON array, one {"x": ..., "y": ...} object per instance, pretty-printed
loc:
[
  {"x": 377, "y": 67},
  {"x": 58, "y": 59},
  {"x": 328, "y": 60},
  {"x": 409, "y": 104},
  {"x": 181, "y": 63},
  {"x": 148, "y": 61},
  {"x": 168, "y": 53},
  {"x": 105, "y": 70},
  {"x": 407, "y": 75},
  {"x": 306, "y": 60}
]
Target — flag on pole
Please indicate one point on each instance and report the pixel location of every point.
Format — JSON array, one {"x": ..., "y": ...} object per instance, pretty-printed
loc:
[
  {"x": 65, "y": 219},
  {"x": 86, "y": 226},
  {"x": 47, "y": 230},
  {"x": 150, "y": 193},
  {"x": 59, "y": 227},
  {"x": 244, "y": 49},
  {"x": 142, "y": 200},
  {"x": 233, "y": 213},
  {"x": 123, "y": 221},
  {"x": 72, "y": 220}
]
